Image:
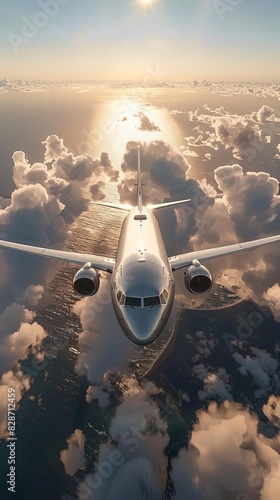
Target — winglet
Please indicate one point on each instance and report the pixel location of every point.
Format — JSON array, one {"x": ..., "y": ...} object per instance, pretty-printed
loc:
[{"x": 139, "y": 183}]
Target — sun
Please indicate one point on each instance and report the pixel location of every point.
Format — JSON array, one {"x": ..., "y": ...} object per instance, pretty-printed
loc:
[{"x": 147, "y": 3}]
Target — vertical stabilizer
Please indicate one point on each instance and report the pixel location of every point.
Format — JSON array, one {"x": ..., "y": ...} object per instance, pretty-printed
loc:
[{"x": 139, "y": 183}]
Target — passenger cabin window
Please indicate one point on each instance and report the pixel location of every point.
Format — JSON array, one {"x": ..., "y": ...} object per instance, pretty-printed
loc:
[
  {"x": 133, "y": 301},
  {"x": 151, "y": 301}
]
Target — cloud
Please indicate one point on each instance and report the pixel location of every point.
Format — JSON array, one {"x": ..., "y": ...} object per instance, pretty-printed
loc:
[
  {"x": 22, "y": 86},
  {"x": 226, "y": 457},
  {"x": 247, "y": 208},
  {"x": 247, "y": 136},
  {"x": 18, "y": 333},
  {"x": 272, "y": 410},
  {"x": 54, "y": 147},
  {"x": 14, "y": 345},
  {"x": 133, "y": 460},
  {"x": 20, "y": 383},
  {"x": 216, "y": 387},
  {"x": 101, "y": 330},
  {"x": 238, "y": 134},
  {"x": 176, "y": 112},
  {"x": 272, "y": 296},
  {"x": 47, "y": 200},
  {"x": 248, "y": 196},
  {"x": 100, "y": 393},
  {"x": 264, "y": 114},
  {"x": 146, "y": 124},
  {"x": 263, "y": 369},
  {"x": 73, "y": 457}
]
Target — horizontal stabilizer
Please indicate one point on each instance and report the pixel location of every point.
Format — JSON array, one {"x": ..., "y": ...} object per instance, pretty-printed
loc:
[
  {"x": 167, "y": 204},
  {"x": 127, "y": 207},
  {"x": 117, "y": 206}
]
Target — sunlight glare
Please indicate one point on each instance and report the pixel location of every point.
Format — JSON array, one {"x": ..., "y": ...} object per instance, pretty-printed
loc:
[{"x": 147, "y": 3}]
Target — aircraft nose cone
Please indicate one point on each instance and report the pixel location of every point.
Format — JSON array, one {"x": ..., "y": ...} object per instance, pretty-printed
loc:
[{"x": 143, "y": 324}]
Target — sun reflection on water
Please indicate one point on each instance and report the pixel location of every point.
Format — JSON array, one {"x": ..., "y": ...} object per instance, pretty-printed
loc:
[{"x": 132, "y": 119}]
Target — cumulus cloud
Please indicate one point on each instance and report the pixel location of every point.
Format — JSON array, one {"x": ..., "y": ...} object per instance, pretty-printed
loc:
[
  {"x": 247, "y": 208},
  {"x": 238, "y": 134},
  {"x": 22, "y": 86},
  {"x": 73, "y": 457},
  {"x": 147, "y": 124},
  {"x": 14, "y": 346},
  {"x": 20, "y": 383},
  {"x": 54, "y": 147},
  {"x": 133, "y": 462},
  {"x": 101, "y": 330},
  {"x": 272, "y": 410},
  {"x": 226, "y": 456},
  {"x": 264, "y": 114},
  {"x": 263, "y": 369},
  {"x": 272, "y": 296},
  {"x": 47, "y": 200},
  {"x": 248, "y": 196},
  {"x": 18, "y": 336},
  {"x": 176, "y": 112},
  {"x": 215, "y": 385},
  {"x": 246, "y": 137},
  {"x": 100, "y": 393}
]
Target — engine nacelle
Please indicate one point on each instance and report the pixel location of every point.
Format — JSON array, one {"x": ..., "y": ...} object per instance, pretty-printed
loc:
[
  {"x": 198, "y": 279},
  {"x": 86, "y": 282}
]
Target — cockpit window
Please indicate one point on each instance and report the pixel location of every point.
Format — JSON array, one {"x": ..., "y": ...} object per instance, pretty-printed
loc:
[
  {"x": 121, "y": 298},
  {"x": 162, "y": 299},
  {"x": 133, "y": 301},
  {"x": 151, "y": 301}
]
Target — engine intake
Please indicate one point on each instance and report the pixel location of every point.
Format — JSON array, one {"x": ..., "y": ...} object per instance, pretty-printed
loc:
[
  {"x": 86, "y": 281},
  {"x": 198, "y": 279}
]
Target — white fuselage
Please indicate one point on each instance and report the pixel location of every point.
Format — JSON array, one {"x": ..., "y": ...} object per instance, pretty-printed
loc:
[{"x": 142, "y": 281}]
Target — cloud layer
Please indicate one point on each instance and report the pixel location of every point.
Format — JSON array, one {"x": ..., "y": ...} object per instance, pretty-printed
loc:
[{"x": 47, "y": 200}]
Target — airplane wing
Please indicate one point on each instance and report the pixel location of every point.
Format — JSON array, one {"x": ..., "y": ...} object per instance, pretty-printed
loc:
[
  {"x": 101, "y": 263},
  {"x": 185, "y": 259}
]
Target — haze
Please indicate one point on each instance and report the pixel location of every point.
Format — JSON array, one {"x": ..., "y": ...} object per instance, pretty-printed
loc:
[{"x": 194, "y": 39}]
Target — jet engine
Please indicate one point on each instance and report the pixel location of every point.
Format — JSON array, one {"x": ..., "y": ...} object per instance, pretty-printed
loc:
[
  {"x": 197, "y": 278},
  {"x": 86, "y": 281}
]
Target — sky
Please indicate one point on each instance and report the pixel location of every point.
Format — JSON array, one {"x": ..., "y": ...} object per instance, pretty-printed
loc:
[{"x": 233, "y": 40}]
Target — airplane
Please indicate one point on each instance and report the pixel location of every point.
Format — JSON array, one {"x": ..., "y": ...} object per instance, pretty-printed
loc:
[{"x": 142, "y": 279}]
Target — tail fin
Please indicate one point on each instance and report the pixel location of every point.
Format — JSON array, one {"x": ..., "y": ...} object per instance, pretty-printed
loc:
[
  {"x": 126, "y": 207},
  {"x": 139, "y": 183}
]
